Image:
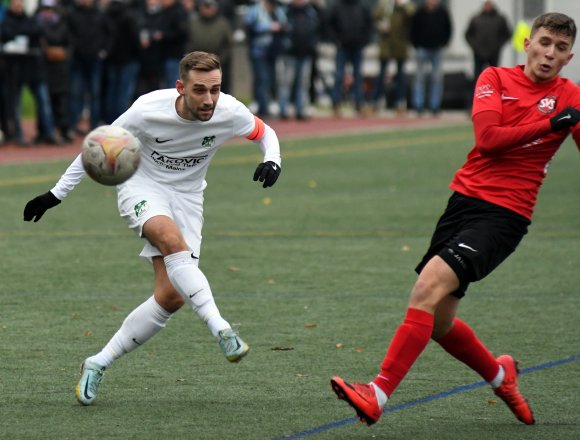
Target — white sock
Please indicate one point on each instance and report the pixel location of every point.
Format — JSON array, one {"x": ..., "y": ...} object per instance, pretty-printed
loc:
[
  {"x": 193, "y": 286},
  {"x": 138, "y": 327},
  {"x": 497, "y": 380},
  {"x": 381, "y": 395}
]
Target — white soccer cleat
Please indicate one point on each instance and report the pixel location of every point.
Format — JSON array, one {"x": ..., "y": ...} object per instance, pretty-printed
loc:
[
  {"x": 91, "y": 377},
  {"x": 232, "y": 346}
]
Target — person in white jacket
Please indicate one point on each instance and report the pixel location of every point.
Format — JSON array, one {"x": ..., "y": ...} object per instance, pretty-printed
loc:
[{"x": 179, "y": 131}]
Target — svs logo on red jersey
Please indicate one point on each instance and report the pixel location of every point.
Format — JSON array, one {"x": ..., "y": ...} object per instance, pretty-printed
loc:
[
  {"x": 483, "y": 91},
  {"x": 547, "y": 105}
]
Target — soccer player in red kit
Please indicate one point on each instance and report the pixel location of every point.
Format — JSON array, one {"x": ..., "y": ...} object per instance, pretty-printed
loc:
[{"x": 521, "y": 116}]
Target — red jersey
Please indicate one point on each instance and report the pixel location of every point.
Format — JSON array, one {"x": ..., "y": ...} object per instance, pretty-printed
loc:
[{"x": 514, "y": 142}]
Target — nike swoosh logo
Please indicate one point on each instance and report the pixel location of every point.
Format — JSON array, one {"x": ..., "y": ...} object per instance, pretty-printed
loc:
[
  {"x": 159, "y": 141},
  {"x": 275, "y": 167},
  {"x": 136, "y": 341},
  {"x": 86, "y": 391},
  {"x": 463, "y": 245},
  {"x": 565, "y": 117},
  {"x": 195, "y": 293},
  {"x": 509, "y": 98}
]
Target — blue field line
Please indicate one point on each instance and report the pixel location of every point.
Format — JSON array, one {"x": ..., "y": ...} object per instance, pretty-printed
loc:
[{"x": 426, "y": 399}]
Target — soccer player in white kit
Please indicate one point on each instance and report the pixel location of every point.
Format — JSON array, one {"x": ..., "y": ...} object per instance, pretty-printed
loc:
[{"x": 180, "y": 131}]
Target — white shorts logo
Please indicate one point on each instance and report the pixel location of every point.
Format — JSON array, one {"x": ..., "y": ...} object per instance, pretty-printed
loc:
[{"x": 141, "y": 208}]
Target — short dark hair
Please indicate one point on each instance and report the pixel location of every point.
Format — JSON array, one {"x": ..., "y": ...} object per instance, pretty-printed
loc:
[
  {"x": 198, "y": 60},
  {"x": 556, "y": 23}
]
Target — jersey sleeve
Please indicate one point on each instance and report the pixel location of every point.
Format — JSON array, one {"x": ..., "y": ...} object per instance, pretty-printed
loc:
[
  {"x": 270, "y": 146},
  {"x": 493, "y": 139},
  {"x": 492, "y": 136},
  {"x": 70, "y": 179},
  {"x": 131, "y": 120},
  {"x": 247, "y": 125},
  {"x": 258, "y": 131},
  {"x": 244, "y": 120},
  {"x": 487, "y": 94}
]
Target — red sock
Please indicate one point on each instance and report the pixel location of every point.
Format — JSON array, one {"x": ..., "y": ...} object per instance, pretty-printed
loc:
[
  {"x": 407, "y": 344},
  {"x": 462, "y": 343}
]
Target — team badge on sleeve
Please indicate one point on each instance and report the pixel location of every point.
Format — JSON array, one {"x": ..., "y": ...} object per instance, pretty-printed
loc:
[{"x": 484, "y": 91}]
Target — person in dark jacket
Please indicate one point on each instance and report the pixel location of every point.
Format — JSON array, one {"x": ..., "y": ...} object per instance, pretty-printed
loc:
[
  {"x": 173, "y": 39},
  {"x": 486, "y": 34},
  {"x": 295, "y": 64},
  {"x": 122, "y": 63},
  {"x": 210, "y": 31},
  {"x": 350, "y": 26},
  {"x": 431, "y": 30},
  {"x": 150, "y": 22},
  {"x": 56, "y": 54},
  {"x": 265, "y": 24},
  {"x": 21, "y": 36},
  {"x": 392, "y": 23},
  {"x": 91, "y": 41}
]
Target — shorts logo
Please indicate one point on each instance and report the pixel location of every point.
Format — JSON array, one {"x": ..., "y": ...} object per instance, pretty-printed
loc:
[
  {"x": 547, "y": 105},
  {"x": 458, "y": 258},
  {"x": 463, "y": 245},
  {"x": 208, "y": 142},
  {"x": 141, "y": 208}
]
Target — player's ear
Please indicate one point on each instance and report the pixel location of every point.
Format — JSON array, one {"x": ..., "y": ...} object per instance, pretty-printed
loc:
[
  {"x": 526, "y": 44},
  {"x": 179, "y": 87}
]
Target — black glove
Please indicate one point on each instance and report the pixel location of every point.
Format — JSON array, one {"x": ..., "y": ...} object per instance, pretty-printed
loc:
[
  {"x": 568, "y": 117},
  {"x": 36, "y": 208},
  {"x": 268, "y": 173}
]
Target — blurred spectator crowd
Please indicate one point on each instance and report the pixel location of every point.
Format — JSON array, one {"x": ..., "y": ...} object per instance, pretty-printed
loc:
[{"x": 85, "y": 61}]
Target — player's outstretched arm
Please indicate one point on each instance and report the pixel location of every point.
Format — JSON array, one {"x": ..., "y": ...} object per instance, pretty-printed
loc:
[
  {"x": 268, "y": 171},
  {"x": 35, "y": 208}
]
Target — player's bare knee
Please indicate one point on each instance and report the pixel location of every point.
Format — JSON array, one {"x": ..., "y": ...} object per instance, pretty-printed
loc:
[
  {"x": 171, "y": 301},
  {"x": 164, "y": 234},
  {"x": 426, "y": 295},
  {"x": 171, "y": 243}
]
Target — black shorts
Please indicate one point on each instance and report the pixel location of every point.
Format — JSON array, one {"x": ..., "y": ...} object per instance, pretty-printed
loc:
[{"x": 474, "y": 237}]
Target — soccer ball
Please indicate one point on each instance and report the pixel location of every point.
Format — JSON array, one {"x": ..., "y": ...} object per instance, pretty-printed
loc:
[{"x": 110, "y": 154}]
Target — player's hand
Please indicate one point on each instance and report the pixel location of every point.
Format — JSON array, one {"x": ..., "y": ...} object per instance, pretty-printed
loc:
[
  {"x": 268, "y": 173},
  {"x": 568, "y": 117},
  {"x": 36, "y": 208}
]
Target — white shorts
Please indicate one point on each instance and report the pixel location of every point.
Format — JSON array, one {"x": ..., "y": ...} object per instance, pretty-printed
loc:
[{"x": 140, "y": 199}]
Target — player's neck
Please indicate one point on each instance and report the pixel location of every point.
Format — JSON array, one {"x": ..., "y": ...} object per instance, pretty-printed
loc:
[{"x": 181, "y": 110}]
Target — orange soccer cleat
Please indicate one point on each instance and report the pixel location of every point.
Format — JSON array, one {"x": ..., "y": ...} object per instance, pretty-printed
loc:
[
  {"x": 360, "y": 396},
  {"x": 509, "y": 392}
]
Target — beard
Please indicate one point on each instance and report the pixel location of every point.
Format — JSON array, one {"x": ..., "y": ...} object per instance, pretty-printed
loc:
[{"x": 204, "y": 113}]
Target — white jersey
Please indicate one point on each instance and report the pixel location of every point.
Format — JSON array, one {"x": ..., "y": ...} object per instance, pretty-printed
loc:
[{"x": 176, "y": 151}]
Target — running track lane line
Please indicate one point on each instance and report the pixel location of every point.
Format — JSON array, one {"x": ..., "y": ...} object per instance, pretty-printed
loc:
[{"x": 427, "y": 399}]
